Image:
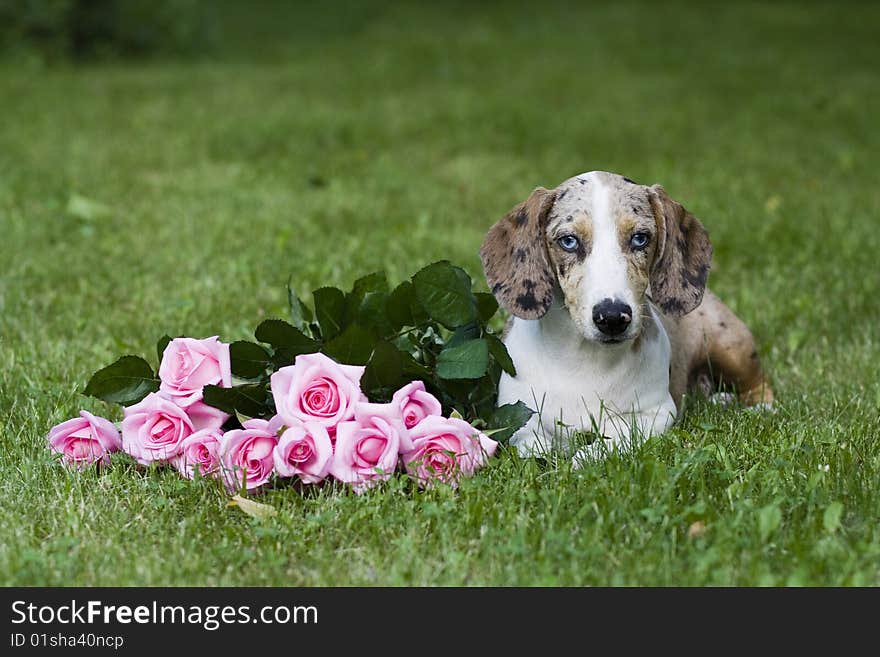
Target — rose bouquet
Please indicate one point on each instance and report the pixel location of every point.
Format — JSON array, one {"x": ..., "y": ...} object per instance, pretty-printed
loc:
[{"x": 365, "y": 384}]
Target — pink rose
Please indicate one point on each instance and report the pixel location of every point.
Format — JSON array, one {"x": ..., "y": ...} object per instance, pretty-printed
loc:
[
  {"x": 317, "y": 389},
  {"x": 154, "y": 429},
  {"x": 246, "y": 455},
  {"x": 84, "y": 440},
  {"x": 203, "y": 416},
  {"x": 366, "y": 449},
  {"x": 389, "y": 412},
  {"x": 199, "y": 452},
  {"x": 304, "y": 450},
  {"x": 444, "y": 449},
  {"x": 415, "y": 403},
  {"x": 188, "y": 365}
]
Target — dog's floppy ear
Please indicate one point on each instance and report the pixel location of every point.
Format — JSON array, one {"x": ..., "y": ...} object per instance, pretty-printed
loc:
[
  {"x": 684, "y": 255},
  {"x": 515, "y": 259}
]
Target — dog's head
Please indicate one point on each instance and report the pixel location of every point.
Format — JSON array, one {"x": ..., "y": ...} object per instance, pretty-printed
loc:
[{"x": 602, "y": 242}]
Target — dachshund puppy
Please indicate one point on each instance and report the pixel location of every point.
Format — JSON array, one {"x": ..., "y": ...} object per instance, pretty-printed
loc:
[{"x": 612, "y": 323}]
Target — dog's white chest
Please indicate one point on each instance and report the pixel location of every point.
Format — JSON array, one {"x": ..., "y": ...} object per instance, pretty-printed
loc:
[{"x": 580, "y": 386}]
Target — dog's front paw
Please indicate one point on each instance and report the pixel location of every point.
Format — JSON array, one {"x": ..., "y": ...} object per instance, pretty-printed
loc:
[
  {"x": 762, "y": 407},
  {"x": 590, "y": 454},
  {"x": 599, "y": 449},
  {"x": 723, "y": 399},
  {"x": 529, "y": 441}
]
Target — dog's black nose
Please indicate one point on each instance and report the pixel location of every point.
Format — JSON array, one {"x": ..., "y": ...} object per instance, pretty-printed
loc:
[{"x": 611, "y": 317}]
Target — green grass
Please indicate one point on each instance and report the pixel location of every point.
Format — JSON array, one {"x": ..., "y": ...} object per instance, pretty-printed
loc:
[{"x": 329, "y": 144}]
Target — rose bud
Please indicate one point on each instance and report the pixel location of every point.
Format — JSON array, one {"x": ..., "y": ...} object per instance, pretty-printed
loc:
[
  {"x": 444, "y": 449},
  {"x": 304, "y": 450},
  {"x": 188, "y": 365},
  {"x": 246, "y": 455},
  {"x": 154, "y": 429},
  {"x": 199, "y": 453},
  {"x": 84, "y": 440},
  {"x": 366, "y": 450},
  {"x": 415, "y": 403}
]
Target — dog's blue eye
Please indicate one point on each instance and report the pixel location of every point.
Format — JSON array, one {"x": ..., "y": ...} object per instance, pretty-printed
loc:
[
  {"x": 568, "y": 243},
  {"x": 639, "y": 240}
]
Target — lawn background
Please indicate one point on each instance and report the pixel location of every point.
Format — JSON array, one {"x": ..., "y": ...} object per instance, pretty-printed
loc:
[{"x": 329, "y": 142}]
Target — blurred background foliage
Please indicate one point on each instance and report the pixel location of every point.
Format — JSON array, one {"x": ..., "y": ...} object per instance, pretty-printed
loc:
[
  {"x": 87, "y": 29},
  {"x": 73, "y": 31}
]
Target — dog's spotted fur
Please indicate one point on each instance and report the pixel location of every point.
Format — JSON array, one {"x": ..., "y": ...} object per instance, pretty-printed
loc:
[
  {"x": 514, "y": 257},
  {"x": 681, "y": 270}
]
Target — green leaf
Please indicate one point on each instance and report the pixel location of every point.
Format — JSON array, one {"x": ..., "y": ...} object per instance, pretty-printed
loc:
[
  {"x": 371, "y": 283},
  {"x": 249, "y": 360},
  {"x": 769, "y": 519},
  {"x": 384, "y": 370},
  {"x": 399, "y": 306},
  {"x": 500, "y": 354},
  {"x": 161, "y": 344},
  {"x": 329, "y": 311},
  {"x": 463, "y": 334},
  {"x": 464, "y": 278},
  {"x": 487, "y": 306},
  {"x": 454, "y": 393},
  {"x": 300, "y": 313},
  {"x": 467, "y": 360},
  {"x": 282, "y": 335},
  {"x": 372, "y": 312},
  {"x": 831, "y": 517},
  {"x": 353, "y": 347},
  {"x": 413, "y": 368},
  {"x": 444, "y": 291},
  {"x": 242, "y": 418},
  {"x": 365, "y": 304},
  {"x": 126, "y": 382},
  {"x": 483, "y": 395},
  {"x": 248, "y": 399},
  {"x": 506, "y": 420}
]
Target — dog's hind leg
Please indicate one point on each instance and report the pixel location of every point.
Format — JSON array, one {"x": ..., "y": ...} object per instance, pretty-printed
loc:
[{"x": 733, "y": 356}]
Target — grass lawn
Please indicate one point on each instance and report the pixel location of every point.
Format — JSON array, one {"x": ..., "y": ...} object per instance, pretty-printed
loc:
[{"x": 327, "y": 145}]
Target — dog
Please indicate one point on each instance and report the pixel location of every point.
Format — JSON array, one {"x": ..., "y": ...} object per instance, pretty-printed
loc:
[{"x": 612, "y": 324}]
